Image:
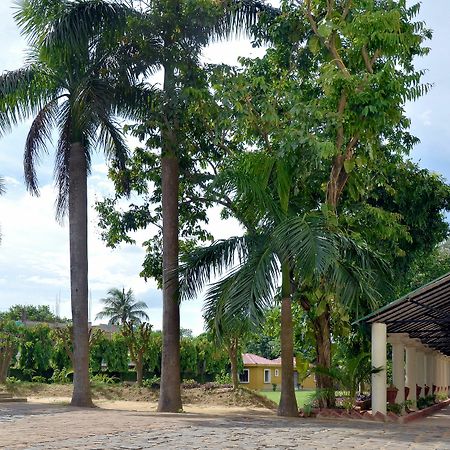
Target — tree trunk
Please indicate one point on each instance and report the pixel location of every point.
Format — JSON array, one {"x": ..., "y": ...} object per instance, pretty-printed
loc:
[
  {"x": 6, "y": 355},
  {"x": 232, "y": 353},
  {"x": 81, "y": 395},
  {"x": 325, "y": 383},
  {"x": 288, "y": 401},
  {"x": 170, "y": 392},
  {"x": 139, "y": 370}
]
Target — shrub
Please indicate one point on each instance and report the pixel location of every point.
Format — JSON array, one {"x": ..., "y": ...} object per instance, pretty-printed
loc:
[
  {"x": 102, "y": 378},
  {"x": 153, "y": 382},
  {"x": 61, "y": 376},
  {"x": 39, "y": 379},
  {"x": 12, "y": 380},
  {"x": 223, "y": 378},
  {"x": 190, "y": 384},
  {"x": 395, "y": 408}
]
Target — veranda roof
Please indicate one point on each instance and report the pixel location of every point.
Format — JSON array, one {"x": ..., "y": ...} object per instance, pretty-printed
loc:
[{"x": 423, "y": 314}]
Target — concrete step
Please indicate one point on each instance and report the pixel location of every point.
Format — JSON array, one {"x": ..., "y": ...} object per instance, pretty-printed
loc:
[
  {"x": 5, "y": 395},
  {"x": 13, "y": 400}
]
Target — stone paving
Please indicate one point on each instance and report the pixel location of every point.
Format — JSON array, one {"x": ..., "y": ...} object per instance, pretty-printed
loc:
[{"x": 39, "y": 427}]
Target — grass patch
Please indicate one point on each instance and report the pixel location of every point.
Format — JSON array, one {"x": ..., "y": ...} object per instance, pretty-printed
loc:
[{"x": 302, "y": 396}]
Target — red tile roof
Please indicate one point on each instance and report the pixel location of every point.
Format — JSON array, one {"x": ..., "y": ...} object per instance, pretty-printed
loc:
[{"x": 251, "y": 359}]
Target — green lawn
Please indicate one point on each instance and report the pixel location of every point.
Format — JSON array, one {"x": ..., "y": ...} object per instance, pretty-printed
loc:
[{"x": 302, "y": 396}]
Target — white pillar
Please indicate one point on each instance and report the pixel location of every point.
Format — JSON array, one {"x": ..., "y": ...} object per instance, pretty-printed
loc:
[
  {"x": 411, "y": 372},
  {"x": 379, "y": 360},
  {"x": 436, "y": 370},
  {"x": 427, "y": 368},
  {"x": 397, "y": 340},
  {"x": 420, "y": 356}
]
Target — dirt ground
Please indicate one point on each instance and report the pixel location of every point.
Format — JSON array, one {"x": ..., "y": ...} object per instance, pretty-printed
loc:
[{"x": 105, "y": 395}]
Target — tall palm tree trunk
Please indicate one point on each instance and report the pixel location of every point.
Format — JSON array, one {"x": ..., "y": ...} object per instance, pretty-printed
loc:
[
  {"x": 233, "y": 355},
  {"x": 288, "y": 401},
  {"x": 170, "y": 392},
  {"x": 81, "y": 395}
]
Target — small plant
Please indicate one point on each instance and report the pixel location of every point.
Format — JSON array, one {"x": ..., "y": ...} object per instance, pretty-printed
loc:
[
  {"x": 39, "y": 379},
  {"x": 61, "y": 376},
  {"x": 223, "y": 378},
  {"x": 12, "y": 380},
  {"x": 307, "y": 409},
  {"x": 153, "y": 382},
  {"x": 274, "y": 387},
  {"x": 396, "y": 408},
  {"x": 190, "y": 384},
  {"x": 102, "y": 378},
  {"x": 422, "y": 403},
  {"x": 441, "y": 396}
]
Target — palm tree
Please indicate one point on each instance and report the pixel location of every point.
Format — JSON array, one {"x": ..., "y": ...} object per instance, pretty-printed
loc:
[
  {"x": 283, "y": 254},
  {"x": 69, "y": 84},
  {"x": 122, "y": 308},
  {"x": 2, "y": 191}
]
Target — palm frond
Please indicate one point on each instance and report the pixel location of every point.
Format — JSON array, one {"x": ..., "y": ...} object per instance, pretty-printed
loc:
[
  {"x": 306, "y": 242},
  {"x": 205, "y": 263},
  {"x": 23, "y": 93},
  {"x": 67, "y": 25},
  {"x": 239, "y": 16},
  {"x": 36, "y": 143},
  {"x": 249, "y": 289},
  {"x": 61, "y": 171}
]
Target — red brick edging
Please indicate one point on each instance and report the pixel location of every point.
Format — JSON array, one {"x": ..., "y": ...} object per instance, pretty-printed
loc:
[{"x": 424, "y": 412}]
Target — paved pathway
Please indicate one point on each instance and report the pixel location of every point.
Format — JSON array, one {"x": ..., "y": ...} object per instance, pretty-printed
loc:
[{"x": 43, "y": 427}]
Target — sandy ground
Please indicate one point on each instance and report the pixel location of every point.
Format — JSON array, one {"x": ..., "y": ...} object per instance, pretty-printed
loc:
[{"x": 125, "y": 405}]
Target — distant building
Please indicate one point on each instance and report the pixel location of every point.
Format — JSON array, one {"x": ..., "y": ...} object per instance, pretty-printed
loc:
[{"x": 261, "y": 373}]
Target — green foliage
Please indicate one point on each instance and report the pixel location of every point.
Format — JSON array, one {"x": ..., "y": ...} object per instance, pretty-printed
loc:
[
  {"x": 116, "y": 354},
  {"x": 39, "y": 379},
  {"x": 153, "y": 382},
  {"x": 223, "y": 378},
  {"x": 40, "y": 313},
  {"x": 396, "y": 408},
  {"x": 61, "y": 376},
  {"x": 102, "y": 378},
  {"x": 188, "y": 357},
  {"x": 35, "y": 349}
]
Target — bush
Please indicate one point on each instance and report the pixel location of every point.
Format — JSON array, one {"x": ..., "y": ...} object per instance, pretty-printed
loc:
[
  {"x": 190, "y": 384},
  {"x": 39, "y": 379},
  {"x": 153, "y": 382},
  {"x": 223, "y": 378},
  {"x": 103, "y": 378},
  {"x": 61, "y": 376},
  {"x": 395, "y": 408},
  {"x": 12, "y": 380}
]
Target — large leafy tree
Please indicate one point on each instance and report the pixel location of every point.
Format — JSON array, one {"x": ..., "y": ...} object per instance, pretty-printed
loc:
[
  {"x": 121, "y": 308},
  {"x": 352, "y": 65},
  {"x": 70, "y": 83}
]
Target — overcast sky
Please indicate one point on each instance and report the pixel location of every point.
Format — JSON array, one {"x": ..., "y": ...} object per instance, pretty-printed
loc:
[{"x": 34, "y": 261}]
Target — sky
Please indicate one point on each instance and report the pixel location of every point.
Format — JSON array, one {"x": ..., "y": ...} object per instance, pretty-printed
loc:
[{"x": 34, "y": 252}]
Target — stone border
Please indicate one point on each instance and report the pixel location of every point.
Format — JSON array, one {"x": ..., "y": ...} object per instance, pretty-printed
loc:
[{"x": 422, "y": 413}]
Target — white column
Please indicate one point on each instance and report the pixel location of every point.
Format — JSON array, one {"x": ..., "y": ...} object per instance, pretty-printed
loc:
[
  {"x": 436, "y": 370},
  {"x": 411, "y": 372},
  {"x": 420, "y": 357},
  {"x": 379, "y": 360},
  {"x": 427, "y": 368},
  {"x": 397, "y": 340}
]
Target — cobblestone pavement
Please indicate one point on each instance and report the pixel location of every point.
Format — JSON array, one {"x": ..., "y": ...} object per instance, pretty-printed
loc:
[{"x": 42, "y": 427}]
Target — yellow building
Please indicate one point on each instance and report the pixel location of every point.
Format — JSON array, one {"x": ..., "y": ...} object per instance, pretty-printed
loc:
[{"x": 261, "y": 374}]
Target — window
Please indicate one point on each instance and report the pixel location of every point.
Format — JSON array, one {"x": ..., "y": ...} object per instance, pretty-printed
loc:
[
  {"x": 266, "y": 375},
  {"x": 277, "y": 373},
  {"x": 244, "y": 376}
]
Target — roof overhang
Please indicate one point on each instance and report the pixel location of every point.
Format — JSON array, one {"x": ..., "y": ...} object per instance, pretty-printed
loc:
[{"x": 424, "y": 314}]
